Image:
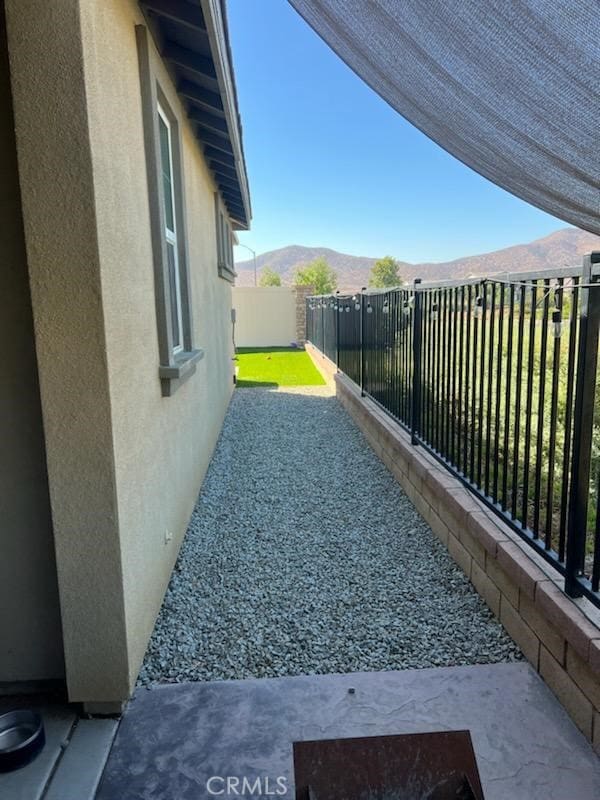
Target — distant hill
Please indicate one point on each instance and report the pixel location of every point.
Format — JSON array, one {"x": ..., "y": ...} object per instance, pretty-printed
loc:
[
  {"x": 563, "y": 247},
  {"x": 350, "y": 269}
]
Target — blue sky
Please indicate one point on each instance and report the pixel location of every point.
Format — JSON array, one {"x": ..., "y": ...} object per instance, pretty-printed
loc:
[{"x": 331, "y": 164}]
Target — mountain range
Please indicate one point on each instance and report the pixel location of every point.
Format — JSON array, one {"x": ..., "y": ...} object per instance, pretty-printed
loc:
[{"x": 561, "y": 248}]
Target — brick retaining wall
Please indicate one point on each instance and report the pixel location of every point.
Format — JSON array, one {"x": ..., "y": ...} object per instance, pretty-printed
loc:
[
  {"x": 560, "y": 637},
  {"x": 320, "y": 360}
]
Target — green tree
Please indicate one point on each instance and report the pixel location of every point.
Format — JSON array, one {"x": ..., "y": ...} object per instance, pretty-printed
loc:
[
  {"x": 317, "y": 274},
  {"x": 384, "y": 273},
  {"x": 268, "y": 277}
]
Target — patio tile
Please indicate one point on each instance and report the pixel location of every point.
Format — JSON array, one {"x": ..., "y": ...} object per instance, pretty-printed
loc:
[
  {"x": 174, "y": 738},
  {"x": 80, "y": 769}
]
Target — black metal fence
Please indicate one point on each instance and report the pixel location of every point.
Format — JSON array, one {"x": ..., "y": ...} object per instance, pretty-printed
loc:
[{"x": 498, "y": 379}]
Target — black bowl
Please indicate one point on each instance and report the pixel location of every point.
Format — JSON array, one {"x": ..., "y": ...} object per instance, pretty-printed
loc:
[{"x": 21, "y": 738}]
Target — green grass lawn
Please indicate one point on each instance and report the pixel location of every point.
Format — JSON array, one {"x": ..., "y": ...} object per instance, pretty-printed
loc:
[{"x": 275, "y": 366}]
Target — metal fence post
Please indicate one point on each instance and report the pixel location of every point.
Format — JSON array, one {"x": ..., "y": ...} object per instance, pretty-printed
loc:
[
  {"x": 583, "y": 423},
  {"x": 322, "y": 326},
  {"x": 415, "y": 409},
  {"x": 362, "y": 340},
  {"x": 337, "y": 329}
]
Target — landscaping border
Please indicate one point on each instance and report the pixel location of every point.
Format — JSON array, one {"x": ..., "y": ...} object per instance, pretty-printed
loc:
[{"x": 559, "y": 636}]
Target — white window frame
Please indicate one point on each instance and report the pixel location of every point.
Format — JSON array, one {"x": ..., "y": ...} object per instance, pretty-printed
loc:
[{"x": 171, "y": 235}]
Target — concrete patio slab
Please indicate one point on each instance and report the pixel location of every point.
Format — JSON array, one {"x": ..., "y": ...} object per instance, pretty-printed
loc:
[{"x": 173, "y": 739}]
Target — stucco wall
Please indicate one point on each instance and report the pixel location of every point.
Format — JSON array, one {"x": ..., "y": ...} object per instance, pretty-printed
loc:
[
  {"x": 58, "y": 204},
  {"x": 264, "y": 316},
  {"x": 125, "y": 464},
  {"x": 162, "y": 446},
  {"x": 30, "y": 632}
]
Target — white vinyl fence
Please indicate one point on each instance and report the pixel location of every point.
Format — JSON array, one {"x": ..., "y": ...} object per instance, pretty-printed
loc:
[{"x": 267, "y": 316}]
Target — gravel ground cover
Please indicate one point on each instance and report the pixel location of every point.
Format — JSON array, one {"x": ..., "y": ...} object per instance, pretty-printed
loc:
[{"x": 304, "y": 556}]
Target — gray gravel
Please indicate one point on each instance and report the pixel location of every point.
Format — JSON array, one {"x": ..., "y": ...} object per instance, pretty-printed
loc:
[{"x": 304, "y": 556}]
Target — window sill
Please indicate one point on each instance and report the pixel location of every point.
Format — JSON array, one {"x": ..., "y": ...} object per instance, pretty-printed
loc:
[
  {"x": 183, "y": 366},
  {"x": 227, "y": 273}
]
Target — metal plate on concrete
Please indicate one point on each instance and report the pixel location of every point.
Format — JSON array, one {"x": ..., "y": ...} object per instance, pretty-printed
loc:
[{"x": 410, "y": 766}]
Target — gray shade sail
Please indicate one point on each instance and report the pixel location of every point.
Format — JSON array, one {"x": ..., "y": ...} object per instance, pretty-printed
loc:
[{"x": 510, "y": 87}]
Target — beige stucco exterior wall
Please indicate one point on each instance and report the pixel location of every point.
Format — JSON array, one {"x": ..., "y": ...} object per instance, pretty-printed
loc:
[
  {"x": 30, "y": 631},
  {"x": 125, "y": 464},
  {"x": 55, "y": 174},
  {"x": 162, "y": 446},
  {"x": 265, "y": 316}
]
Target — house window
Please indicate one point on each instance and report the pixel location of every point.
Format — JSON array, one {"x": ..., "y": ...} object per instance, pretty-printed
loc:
[
  {"x": 164, "y": 164},
  {"x": 224, "y": 242},
  {"x": 170, "y": 230}
]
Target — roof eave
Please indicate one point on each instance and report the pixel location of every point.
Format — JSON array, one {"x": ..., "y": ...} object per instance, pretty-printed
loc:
[
  {"x": 193, "y": 39},
  {"x": 216, "y": 26}
]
